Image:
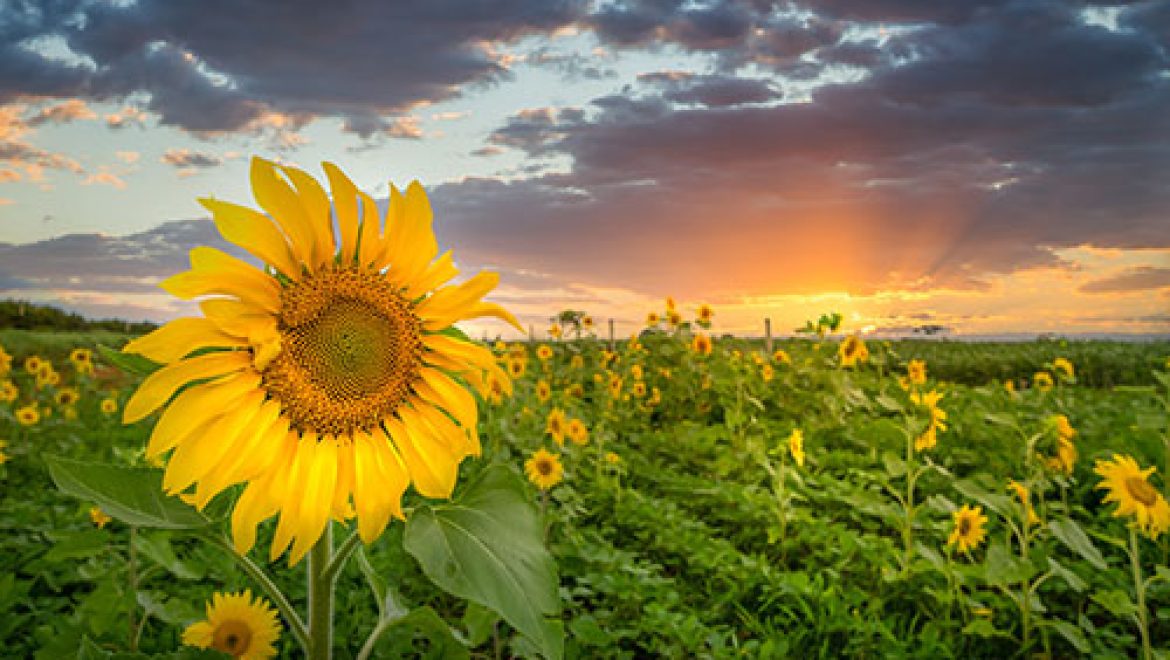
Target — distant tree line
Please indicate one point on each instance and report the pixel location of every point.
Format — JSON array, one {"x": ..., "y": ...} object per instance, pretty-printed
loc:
[{"x": 25, "y": 315}]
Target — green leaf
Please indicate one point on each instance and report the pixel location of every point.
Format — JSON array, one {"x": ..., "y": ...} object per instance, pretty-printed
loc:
[
  {"x": 1003, "y": 568},
  {"x": 480, "y": 622},
  {"x": 1116, "y": 601},
  {"x": 983, "y": 628},
  {"x": 132, "y": 495},
  {"x": 1073, "y": 634},
  {"x": 1073, "y": 580},
  {"x": 157, "y": 548},
  {"x": 130, "y": 363},
  {"x": 1075, "y": 538},
  {"x": 487, "y": 547},
  {"x": 444, "y": 644}
]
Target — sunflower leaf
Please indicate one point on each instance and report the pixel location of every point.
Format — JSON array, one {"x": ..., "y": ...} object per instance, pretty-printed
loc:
[
  {"x": 1075, "y": 538},
  {"x": 130, "y": 494},
  {"x": 129, "y": 363},
  {"x": 487, "y": 547}
]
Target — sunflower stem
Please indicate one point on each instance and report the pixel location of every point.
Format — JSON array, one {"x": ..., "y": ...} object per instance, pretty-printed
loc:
[
  {"x": 321, "y": 597},
  {"x": 1139, "y": 587},
  {"x": 132, "y": 575},
  {"x": 295, "y": 625},
  {"x": 341, "y": 557}
]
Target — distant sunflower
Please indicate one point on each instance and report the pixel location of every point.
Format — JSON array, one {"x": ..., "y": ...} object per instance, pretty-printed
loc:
[
  {"x": 544, "y": 469},
  {"x": 701, "y": 344},
  {"x": 556, "y": 424},
  {"x": 327, "y": 376},
  {"x": 781, "y": 356},
  {"x": 916, "y": 372},
  {"x": 99, "y": 517},
  {"x": 109, "y": 405},
  {"x": 968, "y": 531},
  {"x": 637, "y": 372},
  {"x": 238, "y": 626},
  {"x": 652, "y": 319},
  {"x": 1064, "y": 367},
  {"x": 577, "y": 432},
  {"x": 543, "y": 390},
  {"x": 544, "y": 352},
  {"x": 8, "y": 391},
  {"x": 796, "y": 446},
  {"x": 587, "y": 322},
  {"x": 705, "y": 314},
  {"x": 938, "y": 419},
  {"x": 68, "y": 396},
  {"x": 1129, "y": 486},
  {"x": 555, "y": 331},
  {"x": 5, "y": 362},
  {"x": 33, "y": 364},
  {"x": 1042, "y": 381},
  {"x": 852, "y": 351},
  {"x": 517, "y": 366},
  {"x": 638, "y": 389},
  {"x": 28, "y": 415},
  {"x": 1021, "y": 492},
  {"x": 767, "y": 373}
]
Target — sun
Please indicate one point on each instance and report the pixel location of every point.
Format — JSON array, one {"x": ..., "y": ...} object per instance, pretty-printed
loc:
[{"x": 328, "y": 379}]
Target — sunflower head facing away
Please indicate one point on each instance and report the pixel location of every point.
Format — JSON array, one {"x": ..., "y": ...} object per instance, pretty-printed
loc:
[
  {"x": 1128, "y": 485},
  {"x": 326, "y": 378}
]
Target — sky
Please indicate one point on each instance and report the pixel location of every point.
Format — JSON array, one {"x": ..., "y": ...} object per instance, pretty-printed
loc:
[{"x": 988, "y": 166}]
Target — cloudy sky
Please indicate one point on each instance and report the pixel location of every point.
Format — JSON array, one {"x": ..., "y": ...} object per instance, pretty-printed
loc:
[{"x": 990, "y": 166}]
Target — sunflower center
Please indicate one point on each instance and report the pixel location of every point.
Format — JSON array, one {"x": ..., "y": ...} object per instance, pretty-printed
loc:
[
  {"x": 545, "y": 468},
  {"x": 964, "y": 526},
  {"x": 350, "y": 349},
  {"x": 232, "y": 637},
  {"x": 1141, "y": 490}
]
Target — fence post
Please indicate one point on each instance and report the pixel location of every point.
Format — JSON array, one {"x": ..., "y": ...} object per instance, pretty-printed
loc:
[
  {"x": 768, "y": 336},
  {"x": 531, "y": 333},
  {"x": 611, "y": 342}
]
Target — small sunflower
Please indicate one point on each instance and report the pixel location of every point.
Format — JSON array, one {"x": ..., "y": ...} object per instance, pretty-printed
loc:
[
  {"x": 637, "y": 372},
  {"x": 673, "y": 318},
  {"x": 99, "y": 517},
  {"x": 543, "y": 390},
  {"x": 701, "y": 344},
  {"x": 1128, "y": 485},
  {"x": 8, "y": 391},
  {"x": 652, "y": 319},
  {"x": 1021, "y": 492},
  {"x": 555, "y": 331},
  {"x": 577, "y": 432},
  {"x": 916, "y": 372},
  {"x": 577, "y": 362},
  {"x": 544, "y": 352},
  {"x": 767, "y": 373},
  {"x": 612, "y": 458},
  {"x": 238, "y": 626},
  {"x": 1042, "y": 381},
  {"x": 968, "y": 531},
  {"x": 544, "y": 469},
  {"x": 938, "y": 419},
  {"x": 5, "y": 362},
  {"x": 615, "y": 386},
  {"x": 781, "y": 356},
  {"x": 638, "y": 389},
  {"x": 587, "y": 322},
  {"x": 705, "y": 314},
  {"x": 68, "y": 396},
  {"x": 796, "y": 446},
  {"x": 670, "y": 304},
  {"x": 33, "y": 364},
  {"x": 109, "y": 405},
  {"x": 555, "y": 425},
  {"x": 1064, "y": 367},
  {"x": 852, "y": 351},
  {"x": 328, "y": 375},
  {"x": 516, "y": 367},
  {"x": 28, "y": 415}
]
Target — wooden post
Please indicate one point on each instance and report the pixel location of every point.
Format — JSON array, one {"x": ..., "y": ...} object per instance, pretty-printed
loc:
[
  {"x": 531, "y": 333},
  {"x": 768, "y": 336},
  {"x": 611, "y": 343}
]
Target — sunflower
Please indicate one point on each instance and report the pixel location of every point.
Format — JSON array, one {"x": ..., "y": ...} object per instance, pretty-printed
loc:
[
  {"x": 28, "y": 415},
  {"x": 615, "y": 386},
  {"x": 637, "y": 372},
  {"x": 3, "y": 457},
  {"x": 1042, "y": 380},
  {"x": 33, "y": 364},
  {"x": 916, "y": 372},
  {"x": 852, "y": 351},
  {"x": 8, "y": 391},
  {"x": 1021, "y": 492},
  {"x": 781, "y": 356},
  {"x": 577, "y": 432},
  {"x": 612, "y": 458},
  {"x": 99, "y": 517},
  {"x": 1128, "y": 485},
  {"x": 701, "y": 344},
  {"x": 587, "y": 322},
  {"x": 968, "y": 530},
  {"x": 652, "y": 319},
  {"x": 938, "y": 419},
  {"x": 544, "y": 469},
  {"x": 555, "y": 331},
  {"x": 767, "y": 373},
  {"x": 327, "y": 376},
  {"x": 673, "y": 318},
  {"x": 796, "y": 446},
  {"x": 638, "y": 389},
  {"x": 544, "y": 352},
  {"x": 705, "y": 314},
  {"x": 109, "y": 405},
  {"x": 577, "y": 362},
  {"x": 670, "y": 304},
  {"x": 543, "y": 390},
  {"x": 5, "y": 362},
  {"x": 1064, "y": 367},
  {"x": 68, "y": 396},
  {"x": 237, "y": 625},
  {"x": 82, "y": 359},
  {"x": 555, "y": 425},
  {"x": 517, "y": 367}
]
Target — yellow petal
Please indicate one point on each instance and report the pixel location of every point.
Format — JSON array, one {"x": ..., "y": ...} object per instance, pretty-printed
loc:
[
  {"x": 281, "y": 202},
  {"x": 251, "y": 452},
  {"x": 369, "y": 244},
  {"x": 209, "y": 400},
  {"x": 346, "y": 206},
  {"x": 159, "y": 386},
  {"x": 316, "y": 500},
  {"x": 433, "y": 466},
  {"x": 436, "y": 274},
  {"x": 438, "y": 388},
  {"x": 200, "y": 453},
  {"x": 237, "y": 318},
  {"x": 288, "y": 493},
  {"x": 254, "y": 232},
  {"x": 369, "y": 490},
  {"x": 216, "y": 272},
  {"x": 345, "y": 477},
  {"x": 461, "y": 440},
  {"x": 316, "y": 205},
  {"x": 180, "y": 337}
]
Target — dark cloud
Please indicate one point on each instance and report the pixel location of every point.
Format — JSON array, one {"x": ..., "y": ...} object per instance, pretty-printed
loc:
[
  {"x": 221, "y": 66},
  {"x": 1140, "y": 278},
  {"x": 187, "y": 158},
  {"x": 711, "y": 90}
]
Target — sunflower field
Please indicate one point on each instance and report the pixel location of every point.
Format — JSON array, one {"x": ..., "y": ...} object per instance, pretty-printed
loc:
[{"x": 699, "y": 496}]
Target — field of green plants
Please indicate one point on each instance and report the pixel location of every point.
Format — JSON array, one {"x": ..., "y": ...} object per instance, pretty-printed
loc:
[{"x": 700, "y": 498}]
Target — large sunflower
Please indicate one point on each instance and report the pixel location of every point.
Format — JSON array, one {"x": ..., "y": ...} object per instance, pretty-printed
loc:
[
  {"x": 1128, "y": 485},
  {"x": 325, "y": 377}
]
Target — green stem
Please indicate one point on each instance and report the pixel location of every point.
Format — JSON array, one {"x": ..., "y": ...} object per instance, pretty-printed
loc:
[
  {"x": 321, "y": 597},
  {"x": 1139, "y": 587},
  {"x": 341, "y": 557},
  {"x": 132, "y": 575},
  {"x": 295, "y": 625}
]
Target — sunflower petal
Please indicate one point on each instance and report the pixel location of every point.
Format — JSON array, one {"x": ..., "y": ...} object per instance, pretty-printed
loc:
[
  {"x": 369, "y": 244},
  {"x": 433, "y": 466},
  {"x": 200, "y": 453},
  {"x": 346, "y": 206},
  {"x": 316, "y": 499},
  {"x": 437, "y": 273},
  {"x": 216, "y": 272},
  {"x": 180, "y": 337},
  {"x": 316, "y": 206},
  {"x": 159, "y": 386},
  {"x": 281, "y": 202},
  {"x": 288, "y": 491},
  {"x": 199, "y": 402},
  {"x": 439, "y": 389},
  {"x": 254, "y": 232}
]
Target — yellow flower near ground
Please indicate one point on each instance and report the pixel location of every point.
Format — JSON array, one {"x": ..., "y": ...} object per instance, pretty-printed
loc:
[
  {"x": 555, "y": 425},
  {"x": 767, "y": 373},
  {"x": 99, "y": 517},
  {"x": 109, "y": 405},
  {"x": 8, "y": 391},
  {"x": 238, "y": 626},
  {"x": 544, "y": 469},
  {"x": 576, "y": 390},
  {"x": 673, "y": 318},
  {"x": 544, "y": 352},
  {"x": 796, "y": 446},
  {"x": 916, "y": 372},
  {"x": 1042, "y": 381},
  {"x": 781, "y": 356},
  {"x": 555, "y": 331},
  {"x": 636, "y": 372},
  {"x": 852, "y": 351},
  {"x": 638, "y": 389},
  {"x": 577, "y": 362},
  {"x": 33, "y": 364},
  {"x": 612, "y": 458},
  {"x": 1128, "y": 485},
  {"x": 655, "y": 397},
  {"x": 82, "y": 359},
  {"x": 326, "y": 377},
  {"x": 701, "y": 344},
  {"x": 968, "y": 531},
  {"x": 1064, "y": 367},
  {"x": 577, "y": 432},
  {"x": 68, "y": 396},
  {"x": 517, "y": 367},
  {"x": 497, "y": 389},
  {"x": 615, "y": 386},
  {"x": 28, "y": 415},
  {"x": 543, "y": 390}
]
